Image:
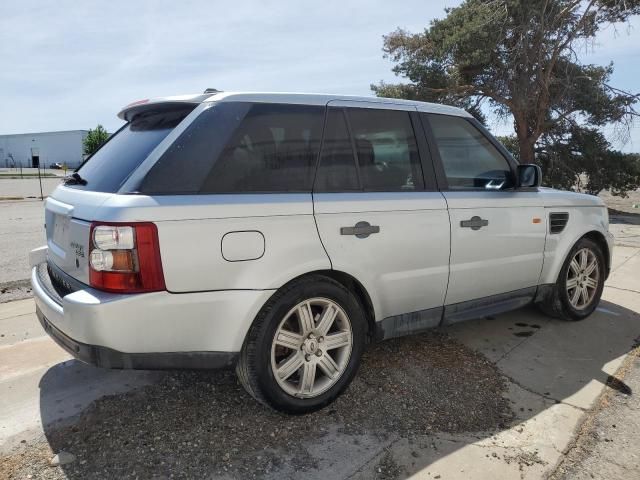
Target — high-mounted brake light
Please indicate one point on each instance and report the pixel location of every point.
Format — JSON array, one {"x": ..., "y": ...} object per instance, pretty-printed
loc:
[
  {"x": 138, "y": 102},
  {"x": 125, "y": 258}
]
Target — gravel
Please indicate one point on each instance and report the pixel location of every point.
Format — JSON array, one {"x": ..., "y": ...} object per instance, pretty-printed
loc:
[
  {"x": 17, "y": 290},
  {"x": 199, "y": 424}
]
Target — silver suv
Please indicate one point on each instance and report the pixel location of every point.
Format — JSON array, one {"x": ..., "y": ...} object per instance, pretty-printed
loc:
[{"x": 280, "y": 233}]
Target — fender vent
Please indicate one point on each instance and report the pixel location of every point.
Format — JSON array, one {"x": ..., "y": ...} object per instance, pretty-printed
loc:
[{"x": 557, "y": 221}]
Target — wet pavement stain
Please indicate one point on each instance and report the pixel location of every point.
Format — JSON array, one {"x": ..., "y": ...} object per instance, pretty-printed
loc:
[{"x": 524, "y": 334}]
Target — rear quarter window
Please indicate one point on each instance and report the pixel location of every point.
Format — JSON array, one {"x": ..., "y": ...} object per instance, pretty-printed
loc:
[
  {"x": 239, "y": 147},
  {"x": 108, "y": 168}
]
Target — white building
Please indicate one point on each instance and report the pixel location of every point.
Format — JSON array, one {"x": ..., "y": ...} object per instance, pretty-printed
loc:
[{"x": 42, "y": 149}]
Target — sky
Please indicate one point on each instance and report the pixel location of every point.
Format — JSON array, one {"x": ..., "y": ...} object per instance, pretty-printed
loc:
[{"x": 72, "y": 65}]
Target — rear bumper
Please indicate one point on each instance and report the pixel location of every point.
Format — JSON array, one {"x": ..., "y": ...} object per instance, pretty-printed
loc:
[
  {"x": 109, "y": 358},
  {"x": 149, "y": 330}
]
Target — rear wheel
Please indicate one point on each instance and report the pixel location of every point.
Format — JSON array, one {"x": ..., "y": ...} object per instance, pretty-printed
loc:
[
  {"x": 304, "y": 347},
  {"x": 577, "y": 292}
]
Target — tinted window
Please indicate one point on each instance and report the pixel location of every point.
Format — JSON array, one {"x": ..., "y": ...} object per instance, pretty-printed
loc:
[
  {"x": 242, "y": 147},
  {"x": 337, "y": 171},
  {"x": 387, "y": 153},
  {"x": 468, "y": 157},
  {"x": 112, "y": 164}
]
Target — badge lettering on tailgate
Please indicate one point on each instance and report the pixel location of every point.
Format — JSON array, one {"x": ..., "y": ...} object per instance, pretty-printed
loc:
[{"x": 79, "y": 249}]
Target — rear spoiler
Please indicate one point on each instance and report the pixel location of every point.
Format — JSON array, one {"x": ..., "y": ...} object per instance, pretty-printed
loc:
[{"x": 134, "y": 108}]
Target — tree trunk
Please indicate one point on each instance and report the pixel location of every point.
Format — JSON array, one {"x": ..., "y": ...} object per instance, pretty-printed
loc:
[
  {"x": 527, "y": 154},
  {"x": 525, "y": 141}
]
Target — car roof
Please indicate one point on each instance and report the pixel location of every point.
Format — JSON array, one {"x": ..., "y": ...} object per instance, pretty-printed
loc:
[{"x": 213, "y": 96}]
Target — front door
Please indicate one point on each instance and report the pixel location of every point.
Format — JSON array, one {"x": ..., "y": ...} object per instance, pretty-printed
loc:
[
  {"x": 377, "y": 219},
  {"x": 497, "y": 232},
  {"x": 35, "y": 158}
]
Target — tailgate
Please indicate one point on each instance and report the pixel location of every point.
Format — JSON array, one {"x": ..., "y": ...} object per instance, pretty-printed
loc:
[
  {"x": 67, "y": 239},
  {"x": 67, "y": 225}
]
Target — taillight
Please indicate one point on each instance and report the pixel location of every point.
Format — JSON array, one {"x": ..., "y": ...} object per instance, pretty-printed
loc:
[{"x": 125, "y": 258}]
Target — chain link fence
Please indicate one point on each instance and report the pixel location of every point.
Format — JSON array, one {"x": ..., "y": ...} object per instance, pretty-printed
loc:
[{"x": 28, "y": 183}]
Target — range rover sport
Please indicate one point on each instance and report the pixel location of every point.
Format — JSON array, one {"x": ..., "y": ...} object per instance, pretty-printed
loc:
[{"x": 280, "y": 233}]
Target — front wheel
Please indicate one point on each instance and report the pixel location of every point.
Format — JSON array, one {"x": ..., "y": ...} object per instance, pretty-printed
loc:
[
  {"x": 577, "y": 292},
  {"x": 304, "y": 347}
]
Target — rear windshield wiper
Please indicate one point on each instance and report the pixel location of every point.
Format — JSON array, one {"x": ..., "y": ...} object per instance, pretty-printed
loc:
[{"x": 74, "y": 179}]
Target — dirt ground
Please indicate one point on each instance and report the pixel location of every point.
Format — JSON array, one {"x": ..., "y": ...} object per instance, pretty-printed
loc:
[{"x": 623, "y": 205}]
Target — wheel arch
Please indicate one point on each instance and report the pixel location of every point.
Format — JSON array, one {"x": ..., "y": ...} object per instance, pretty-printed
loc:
[
  {"x": 349, "y": 282},
  {"x": 357, "y": 288},
  {"x": 556, "y": 256},
  {"x": 599, "y": 239}
]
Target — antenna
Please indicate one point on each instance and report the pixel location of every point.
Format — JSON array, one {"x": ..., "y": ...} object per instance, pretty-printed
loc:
[{"x": 212, "y": 90}]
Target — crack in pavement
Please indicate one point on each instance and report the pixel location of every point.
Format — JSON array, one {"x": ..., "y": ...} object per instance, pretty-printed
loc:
[
  {"x": 623, "y": 289},
  {"x": 542, "y": 395},
  {"x": 514, "y": 347},
  {"x": 517, "y": 383},
  {"x": 377, "y": 453},
  {"x": 630, "y": 257}
]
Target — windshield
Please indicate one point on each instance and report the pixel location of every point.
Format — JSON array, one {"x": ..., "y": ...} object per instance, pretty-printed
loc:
[{"x": 108, "y": 168}]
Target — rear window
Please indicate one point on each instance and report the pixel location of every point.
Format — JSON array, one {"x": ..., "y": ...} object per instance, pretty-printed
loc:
[
  {"x": 240, "y": 147},
  {"x": 387, "y": 154},
  {"x": 108, "y": 168},
  {"x": 387, "y": 151},
  {"x": 337, "y": 171}
]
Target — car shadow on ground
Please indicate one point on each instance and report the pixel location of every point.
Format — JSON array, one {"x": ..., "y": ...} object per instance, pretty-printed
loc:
[{"x": 445, "y": 382}]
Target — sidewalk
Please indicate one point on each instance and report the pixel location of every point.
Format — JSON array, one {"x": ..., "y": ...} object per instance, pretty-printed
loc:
[{"x": 26, "y": 355}]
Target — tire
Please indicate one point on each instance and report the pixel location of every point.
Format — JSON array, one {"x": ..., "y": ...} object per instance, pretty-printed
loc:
[
  {"x": 286, "y": 362},
  {"x": 560, "y": 300}
]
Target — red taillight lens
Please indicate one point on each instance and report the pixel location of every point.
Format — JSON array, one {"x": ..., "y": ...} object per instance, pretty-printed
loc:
[{"x": 125, "y": 258}]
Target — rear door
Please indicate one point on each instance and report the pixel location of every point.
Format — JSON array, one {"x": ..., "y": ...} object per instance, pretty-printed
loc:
[
  {"x": 379, "y": 216},
  {"x": 497, "y": 232}
]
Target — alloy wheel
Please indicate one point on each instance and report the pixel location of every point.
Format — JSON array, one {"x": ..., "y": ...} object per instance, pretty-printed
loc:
[
  {"x": 311, "y": 347},
  {"x": 583, "y": 277}
]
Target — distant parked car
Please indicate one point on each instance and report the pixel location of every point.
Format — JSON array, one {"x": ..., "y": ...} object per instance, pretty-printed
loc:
[
  {"x": 279, "y": 233},
  {"x": 57, "y": 166}
]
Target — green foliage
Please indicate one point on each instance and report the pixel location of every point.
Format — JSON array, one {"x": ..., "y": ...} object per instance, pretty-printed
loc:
[
  {"x": 583, "y": 160},
  {"x": 510, "y": 142},
  {"x": 94, "y": 139},
  {"x": 412, "y": 92},
  {"x": 519, "y": 58}
]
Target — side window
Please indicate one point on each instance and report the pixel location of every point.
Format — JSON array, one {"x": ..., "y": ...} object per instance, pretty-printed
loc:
[
  {"x": 241, "y": 147},
  {"x": 468, "y": 157},
  {"x": 387, "y": 152},
  {"x": 337, "y": 171},
  {"x": 274, "y": 149}
]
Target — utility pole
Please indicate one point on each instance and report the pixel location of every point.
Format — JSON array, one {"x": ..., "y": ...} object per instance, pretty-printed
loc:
[{"x": 40, "y": 180}]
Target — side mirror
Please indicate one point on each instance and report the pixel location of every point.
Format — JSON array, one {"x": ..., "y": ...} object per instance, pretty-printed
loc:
[{"x": 529, "y": 175}]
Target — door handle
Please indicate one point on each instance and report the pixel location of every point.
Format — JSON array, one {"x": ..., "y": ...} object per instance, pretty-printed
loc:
[
  {"x": 474, "y": 223},
  {"x": 360, "y": 230}
]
